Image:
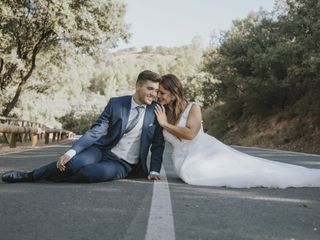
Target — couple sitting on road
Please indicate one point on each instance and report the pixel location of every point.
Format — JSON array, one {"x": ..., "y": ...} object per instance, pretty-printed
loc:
[{"x": 117, "y": 146}]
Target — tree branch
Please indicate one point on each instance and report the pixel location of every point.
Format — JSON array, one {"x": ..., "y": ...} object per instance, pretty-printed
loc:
[
  {"x": 35, "y": 52},
  {"x": 1, "y": 77},
  {"x": 14, "y": 101},
  {"x": 1, "y": 64},
  {"x": 10, "y": 105}
]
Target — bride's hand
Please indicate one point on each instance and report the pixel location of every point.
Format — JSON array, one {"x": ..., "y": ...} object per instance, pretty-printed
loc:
[{"x": 161, "y": 115}]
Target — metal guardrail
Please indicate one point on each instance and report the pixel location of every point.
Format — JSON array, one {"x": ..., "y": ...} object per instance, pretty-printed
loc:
[{"x": 15, "y": 130}]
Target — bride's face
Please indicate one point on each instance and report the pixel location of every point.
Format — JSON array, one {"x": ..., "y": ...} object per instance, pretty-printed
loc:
[{"x": 164, "y": 96}]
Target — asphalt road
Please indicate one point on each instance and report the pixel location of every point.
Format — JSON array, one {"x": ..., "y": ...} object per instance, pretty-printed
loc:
[{"x": 140, "y": 209}]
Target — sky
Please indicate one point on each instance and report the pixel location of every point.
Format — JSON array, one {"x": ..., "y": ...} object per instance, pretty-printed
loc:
[{"x": 173, "y": 23}]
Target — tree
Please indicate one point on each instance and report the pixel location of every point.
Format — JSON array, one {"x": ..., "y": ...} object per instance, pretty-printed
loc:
[
  {"x": 31, "y": 30},
  {"x": 147, "y": 49},
  {"x": 188, "y": 58},
  {"x": 269, "y": 64},
  {"x": 65, "y": 88}
]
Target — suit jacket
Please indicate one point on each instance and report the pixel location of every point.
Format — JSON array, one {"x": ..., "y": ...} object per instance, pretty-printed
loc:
[{"x": 110, "y": 126}]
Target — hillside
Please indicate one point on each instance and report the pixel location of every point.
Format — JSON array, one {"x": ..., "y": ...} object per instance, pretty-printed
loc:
[{"x": 296, "y": 134}]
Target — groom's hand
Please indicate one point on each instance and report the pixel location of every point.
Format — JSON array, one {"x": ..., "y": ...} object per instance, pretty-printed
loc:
[
  {"x": 154, "y": 177},
  {"x": 61, "y": 163}
]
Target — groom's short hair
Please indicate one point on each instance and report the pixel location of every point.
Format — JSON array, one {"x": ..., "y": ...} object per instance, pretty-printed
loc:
[{"x": 148, "y": 75}]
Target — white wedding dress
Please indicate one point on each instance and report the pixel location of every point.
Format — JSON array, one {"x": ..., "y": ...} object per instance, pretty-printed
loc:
[{"x": 207, "y": 161}]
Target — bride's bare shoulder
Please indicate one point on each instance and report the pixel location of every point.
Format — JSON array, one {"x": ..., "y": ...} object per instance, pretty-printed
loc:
[
  {"x": 195, "y": 111},
  {"x": 195, "y": 107}
]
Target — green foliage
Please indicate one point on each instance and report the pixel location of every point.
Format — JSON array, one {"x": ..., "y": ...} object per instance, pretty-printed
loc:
[
  {"x": 200, "y": 88},
  {"x": 117, "y": 76},
  {"x": 266, "y": 63},
  {"x": 119, "y": 73},
  {"x": 76, "y": 123},
  {"x": 147, "y": 49},
  {"x": 87, "y": 82},
  {"x": 41, "y": 30},
  {"x": 215, "y": 121}
]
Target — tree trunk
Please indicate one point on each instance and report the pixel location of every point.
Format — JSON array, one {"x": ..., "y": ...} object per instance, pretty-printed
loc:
[{"x": 14, "y": 101}]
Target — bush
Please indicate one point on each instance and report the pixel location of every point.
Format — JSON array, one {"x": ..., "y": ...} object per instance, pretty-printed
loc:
[
  {"x": 215, "y": 121},
  {"x": 78, "y": 124}
]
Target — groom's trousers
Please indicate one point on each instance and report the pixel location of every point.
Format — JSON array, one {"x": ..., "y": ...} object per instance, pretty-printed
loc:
[{"x": 91, "y": 165}]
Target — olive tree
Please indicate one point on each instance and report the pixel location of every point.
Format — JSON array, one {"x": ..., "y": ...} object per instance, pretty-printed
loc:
[{"x": 36, "y": 30}]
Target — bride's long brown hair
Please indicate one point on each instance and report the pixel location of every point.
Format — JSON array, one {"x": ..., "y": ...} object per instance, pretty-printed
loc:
[{"x": 172, "y": 84}]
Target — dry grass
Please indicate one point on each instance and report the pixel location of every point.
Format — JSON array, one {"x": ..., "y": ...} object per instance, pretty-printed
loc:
[{"x": 296, "y": 134}]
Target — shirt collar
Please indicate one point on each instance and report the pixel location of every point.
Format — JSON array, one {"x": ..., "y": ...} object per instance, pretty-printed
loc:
[{"x": 134, "y": 104}]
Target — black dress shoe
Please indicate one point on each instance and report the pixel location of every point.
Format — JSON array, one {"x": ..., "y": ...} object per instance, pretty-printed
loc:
[{"x": 16, "y": 176}]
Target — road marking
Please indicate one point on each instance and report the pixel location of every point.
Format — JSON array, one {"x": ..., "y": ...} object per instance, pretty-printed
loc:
[
  {"x": 18, "y": 151},
  {"x": 160, "y": 223},
  {"x": 278, "y": 151},
  {"x": 34, "y": 149},
  {"x": 36, "y": 156}
]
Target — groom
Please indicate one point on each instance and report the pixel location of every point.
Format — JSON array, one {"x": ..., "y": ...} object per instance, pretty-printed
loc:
[{"x": 115, "y": 147}]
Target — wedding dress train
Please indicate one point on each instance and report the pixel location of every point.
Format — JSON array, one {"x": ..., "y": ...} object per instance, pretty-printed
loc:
[{"x": 207, "y": 161}]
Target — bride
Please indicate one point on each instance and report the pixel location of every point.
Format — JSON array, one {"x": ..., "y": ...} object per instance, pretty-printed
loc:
[{"x": 200, "y": 159}]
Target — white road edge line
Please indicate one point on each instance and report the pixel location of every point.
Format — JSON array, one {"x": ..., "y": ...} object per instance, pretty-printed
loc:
[
  {"x": 279, "y": 151},
  {"x": 32, "y": 149},
  {"x": 160, "y": 223},
  {"x": 18, "y": 151}
]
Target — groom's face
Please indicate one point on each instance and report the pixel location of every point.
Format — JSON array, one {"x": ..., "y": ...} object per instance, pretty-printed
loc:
[{"x": 146, "y": 91}]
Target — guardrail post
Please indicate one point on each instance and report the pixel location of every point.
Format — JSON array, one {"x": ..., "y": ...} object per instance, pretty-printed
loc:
[
  {"x": 34, "y": 139},
  {"x": 13, "y": 140},
  {"x": 5, "y": 136},
  {"x": 24, "y": 135},
  {"x": 46, "y": 138}
]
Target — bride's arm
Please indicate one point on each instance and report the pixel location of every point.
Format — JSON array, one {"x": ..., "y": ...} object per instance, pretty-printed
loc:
[{"x": 188, "y": 132}]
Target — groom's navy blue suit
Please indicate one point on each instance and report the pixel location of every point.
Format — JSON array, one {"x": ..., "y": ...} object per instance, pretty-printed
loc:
[{"x": 94, "y": 161}]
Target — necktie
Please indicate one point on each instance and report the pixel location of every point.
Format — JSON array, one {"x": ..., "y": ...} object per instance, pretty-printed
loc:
[{"x": 135, "y": 120}]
